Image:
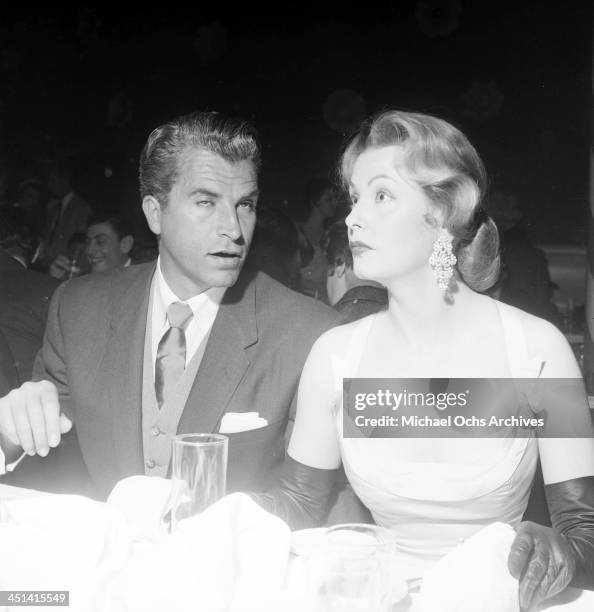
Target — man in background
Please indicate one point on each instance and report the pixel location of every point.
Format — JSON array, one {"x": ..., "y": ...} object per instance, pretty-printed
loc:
[
  {"x": 108, "y": 245},
  {"x": 67, "y": 214},
  {"x": 24, "y": 293},
  {"x": 24, "y": 301},
  {"x": 352, "y": 297},
  {"x": 110, "y": 240}
]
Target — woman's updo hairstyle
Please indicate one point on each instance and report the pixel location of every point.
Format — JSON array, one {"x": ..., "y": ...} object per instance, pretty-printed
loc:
[{"x": 441, "y": 160}]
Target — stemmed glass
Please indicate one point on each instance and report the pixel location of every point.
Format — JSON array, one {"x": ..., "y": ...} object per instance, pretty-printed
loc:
[{"x": 353, "y": 570}]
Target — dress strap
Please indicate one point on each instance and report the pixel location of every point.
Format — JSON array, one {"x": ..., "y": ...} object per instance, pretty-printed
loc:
[{"x": 520, "y": 363}]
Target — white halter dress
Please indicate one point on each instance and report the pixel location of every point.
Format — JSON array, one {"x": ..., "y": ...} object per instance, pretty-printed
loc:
[{"x": 432, "y": 506}]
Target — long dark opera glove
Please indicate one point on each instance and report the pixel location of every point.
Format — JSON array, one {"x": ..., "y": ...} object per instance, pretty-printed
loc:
[
  {"x": 547, "y": 560},
  {"x": 300, "y": 495}
]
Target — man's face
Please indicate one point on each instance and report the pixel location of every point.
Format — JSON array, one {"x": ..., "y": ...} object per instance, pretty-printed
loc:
[
  {"x": 104, "y": 249},
  {"x": 327, "y": 203},
  {"x": 206, "y": 227}
]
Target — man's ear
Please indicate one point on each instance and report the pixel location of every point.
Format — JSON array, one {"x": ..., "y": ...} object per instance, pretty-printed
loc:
[
  {"x": 340, "y": 268},
  {"x": 152, "y": 211},
  {"x": 126, "y": 244}
]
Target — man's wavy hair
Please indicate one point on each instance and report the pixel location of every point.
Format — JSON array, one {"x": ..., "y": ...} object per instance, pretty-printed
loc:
[{"x": 233, "y": 139}]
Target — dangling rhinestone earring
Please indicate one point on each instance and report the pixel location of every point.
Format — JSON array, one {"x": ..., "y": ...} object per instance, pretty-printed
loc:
[{"x": 443, "y": 260}]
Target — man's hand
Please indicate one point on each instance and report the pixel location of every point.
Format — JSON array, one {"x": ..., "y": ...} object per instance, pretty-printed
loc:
[
  {"x": 62, "y": 268},
  {"x": 542, "y": 561},
  {"x": 30, "y": 417}
]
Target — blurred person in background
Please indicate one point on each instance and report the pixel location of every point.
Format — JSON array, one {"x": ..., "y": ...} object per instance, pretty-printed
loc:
[
  {"x": 29, "y": 199},
  {"x": 24, "y": 303},
  {"x": 16, "y": 236},
  {"x": 526, "y": 281},
  {"x": 275, "y": 247},
  {"x": 67, "y": 214},
  {"x": 321, "y": 204},
  {"x": 107, "y": 245},
  {"x": 351, "y": 296},
  {"x": 24, "y": 294},
  {"x": 110, "y": 240}
]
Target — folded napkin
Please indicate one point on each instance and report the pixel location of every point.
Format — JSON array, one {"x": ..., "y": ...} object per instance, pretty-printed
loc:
[
  {"x": 473, "y": 576},
  {"x": 234, "y": 422},
  {"x": 62, "y": 542},
  {"x": 118, "y": 556}
]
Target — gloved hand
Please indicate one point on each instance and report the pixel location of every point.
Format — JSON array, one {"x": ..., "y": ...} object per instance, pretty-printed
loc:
[
  {"x": 547, "y": 560},
  {"x": 300, "y": 494},
  {"x": 542, "y": 560}
]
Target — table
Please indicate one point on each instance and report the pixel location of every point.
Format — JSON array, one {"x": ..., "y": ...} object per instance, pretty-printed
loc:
[{"x": 571, "y": 600}]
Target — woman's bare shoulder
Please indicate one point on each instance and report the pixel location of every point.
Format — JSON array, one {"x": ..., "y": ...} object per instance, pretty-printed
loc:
[
  {"x": 545, "y": 340},
  {"x": 337, "y": 339},
  {"x": 537, "y": 329}
]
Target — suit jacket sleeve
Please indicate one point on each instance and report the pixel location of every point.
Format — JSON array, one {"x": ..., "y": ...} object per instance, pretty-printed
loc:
[
  {"x": 8, "y": 373},
  {"x": 50, "y": 361}
]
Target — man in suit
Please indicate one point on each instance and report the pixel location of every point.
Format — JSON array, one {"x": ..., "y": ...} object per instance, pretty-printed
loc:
[
  {"x": 180, "y": 345},
  {"x": 24, "y": 294},
  {"x": 67, "y": 214},
  {"x": 24, "y": 302}
]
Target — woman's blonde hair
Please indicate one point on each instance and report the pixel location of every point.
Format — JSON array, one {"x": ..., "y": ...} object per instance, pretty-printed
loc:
[{"x": 441, "y": 161}]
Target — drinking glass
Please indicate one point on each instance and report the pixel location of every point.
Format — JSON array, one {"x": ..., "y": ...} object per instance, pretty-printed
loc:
[
  {"x": 353, "y": 570},
  {"x": 198, "y": 473}
]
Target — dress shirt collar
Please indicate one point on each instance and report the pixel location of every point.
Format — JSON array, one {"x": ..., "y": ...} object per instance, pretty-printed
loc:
[{"x": 210, "y": 299}]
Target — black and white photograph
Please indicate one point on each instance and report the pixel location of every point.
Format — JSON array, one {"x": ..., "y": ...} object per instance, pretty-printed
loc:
[{"x": 297, "y": 307}]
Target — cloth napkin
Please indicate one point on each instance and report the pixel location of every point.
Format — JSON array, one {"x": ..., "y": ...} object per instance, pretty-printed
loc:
[
  {"x": 118, "y": 556},
  {"x": 473, "y": 576}
]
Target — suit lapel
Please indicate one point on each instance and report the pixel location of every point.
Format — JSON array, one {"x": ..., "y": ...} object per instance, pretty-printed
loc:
[
  {"x": 124, "y": 361},
  {"x": 225, "y": 360},
  {"x": 9, "y": 263}
]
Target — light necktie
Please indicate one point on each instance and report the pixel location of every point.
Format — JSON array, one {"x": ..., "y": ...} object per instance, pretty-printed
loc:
[{"x": 171, "y": 353}]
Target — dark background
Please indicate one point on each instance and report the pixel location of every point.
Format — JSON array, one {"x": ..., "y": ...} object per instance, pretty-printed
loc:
[{"x": 93, "y": 82}]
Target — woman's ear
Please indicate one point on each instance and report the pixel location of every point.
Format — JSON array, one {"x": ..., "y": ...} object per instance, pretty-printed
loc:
[{"x": 434, "y": 217}]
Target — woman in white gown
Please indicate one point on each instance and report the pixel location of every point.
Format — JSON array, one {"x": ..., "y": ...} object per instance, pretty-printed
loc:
[{"x": 416, "y": 184}]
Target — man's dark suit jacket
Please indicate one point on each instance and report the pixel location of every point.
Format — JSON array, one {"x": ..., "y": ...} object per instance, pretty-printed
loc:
[
  {"x": 8, "y": 373},
  {"x": 360, "y": 301},
  {"x": 93, "y": 352},
  {"x": 24, "y": 304}
]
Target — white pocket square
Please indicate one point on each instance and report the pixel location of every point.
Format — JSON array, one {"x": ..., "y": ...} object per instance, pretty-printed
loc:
[{"x": 234, "y": 422}]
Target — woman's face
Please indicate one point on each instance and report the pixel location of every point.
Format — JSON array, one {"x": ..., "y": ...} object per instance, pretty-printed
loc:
[{"x": 389, "y": 231}]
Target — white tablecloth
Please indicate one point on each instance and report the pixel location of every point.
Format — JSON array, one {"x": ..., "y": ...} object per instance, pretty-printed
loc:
[{"x": 571, "y": 600}]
